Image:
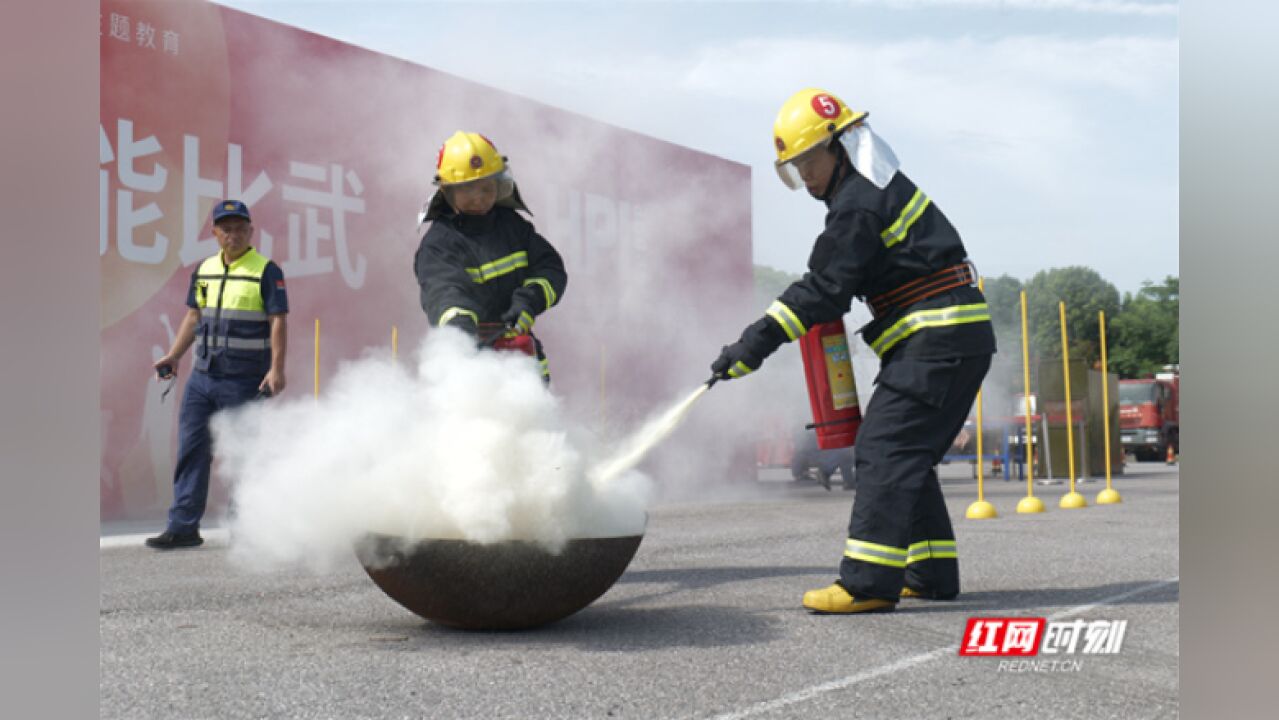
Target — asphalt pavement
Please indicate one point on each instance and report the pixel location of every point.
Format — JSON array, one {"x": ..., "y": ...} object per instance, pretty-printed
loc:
[{"x": 706, "y": 623}]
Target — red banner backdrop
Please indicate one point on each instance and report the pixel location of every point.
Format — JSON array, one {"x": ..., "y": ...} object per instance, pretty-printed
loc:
[{"x": 333, "y": 147}]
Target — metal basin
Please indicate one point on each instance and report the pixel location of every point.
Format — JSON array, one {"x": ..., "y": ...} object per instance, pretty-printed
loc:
[{"x": 501, "y": 586}]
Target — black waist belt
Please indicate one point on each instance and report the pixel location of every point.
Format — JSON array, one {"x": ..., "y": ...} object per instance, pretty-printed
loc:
[{"x": 923, "y": 288}]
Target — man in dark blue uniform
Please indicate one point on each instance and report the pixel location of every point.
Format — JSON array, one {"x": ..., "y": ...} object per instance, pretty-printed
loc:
[
  {"x": 236, "y": 320},
  {"x": 885, "y": 242}
]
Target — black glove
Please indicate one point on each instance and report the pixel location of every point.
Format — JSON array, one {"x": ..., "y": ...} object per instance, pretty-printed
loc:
[
  {"x": 759, "y": 340},
  {"x": 522, "y": 310},
  {"x": 735, "y": 361},
  {"x": 462, "y": 322}
]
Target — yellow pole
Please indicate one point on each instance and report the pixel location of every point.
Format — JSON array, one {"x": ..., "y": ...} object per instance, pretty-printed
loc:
[
  {"x": 980, "y": 510},
  {"x": 317, "y": 358},
  {"x": 1109, "y": 496},
  {"x": 1030, "y": 503},
  {"x": 1072, "y": 499},
  {"x": 395, "y": 342}
]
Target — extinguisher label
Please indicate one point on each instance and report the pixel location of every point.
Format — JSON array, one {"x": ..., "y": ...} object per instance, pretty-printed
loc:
[{"x": 839, "y": 370}]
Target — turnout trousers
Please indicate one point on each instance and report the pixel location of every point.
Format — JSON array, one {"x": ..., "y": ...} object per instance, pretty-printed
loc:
[
  {"x": 900, "y": 532},
  {"x": 204, "y": 395}
]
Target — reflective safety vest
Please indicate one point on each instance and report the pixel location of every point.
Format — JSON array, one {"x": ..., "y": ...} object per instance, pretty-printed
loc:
[{"x": 234, "y": 334}]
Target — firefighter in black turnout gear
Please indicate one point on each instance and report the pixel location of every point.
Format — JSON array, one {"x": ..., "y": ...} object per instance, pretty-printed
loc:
[
  {"x": 481, "y": 262},
  {"x": 886, "y": 243}
]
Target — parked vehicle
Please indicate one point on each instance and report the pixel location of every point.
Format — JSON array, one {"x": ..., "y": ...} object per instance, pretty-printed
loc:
[{"x": 1149, "y": 418}]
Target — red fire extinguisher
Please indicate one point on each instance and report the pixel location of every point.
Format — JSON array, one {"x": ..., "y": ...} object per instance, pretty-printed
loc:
[
  {"x": 518, "y": 343},
  {"x": 496, "y": 336},
  {"x": 832, "y": 391}
]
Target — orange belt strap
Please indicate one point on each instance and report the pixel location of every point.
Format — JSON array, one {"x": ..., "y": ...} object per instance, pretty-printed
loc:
[{"x": 923, "y": 288}]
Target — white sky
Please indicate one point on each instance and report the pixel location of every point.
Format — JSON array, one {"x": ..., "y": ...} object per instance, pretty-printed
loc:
[{"x": 1045, "y": 129}]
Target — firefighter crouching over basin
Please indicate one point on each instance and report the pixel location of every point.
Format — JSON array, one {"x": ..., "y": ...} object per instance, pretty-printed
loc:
[
  {"x": 885, "y": 242},
  {"x": 481, "y": 262}
]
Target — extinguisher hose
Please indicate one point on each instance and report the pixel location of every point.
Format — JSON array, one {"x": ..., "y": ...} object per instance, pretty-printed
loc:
[{"x": 811, "y": 426}]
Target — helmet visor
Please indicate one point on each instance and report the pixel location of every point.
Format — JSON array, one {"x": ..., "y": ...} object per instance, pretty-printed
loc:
[
  {"x": 505, "y": 183},
  {"x": 789, "y": 175},
  {"x": 789, "y": 171}
]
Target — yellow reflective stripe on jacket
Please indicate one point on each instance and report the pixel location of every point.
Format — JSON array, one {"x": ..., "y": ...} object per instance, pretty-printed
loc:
[
  {"x": 547, "y": 290},
  {"x": 546, "y": 367},
  {"x": 931, "y": 550},
  {"x": 875, "y": 553},
  {"x": 920, "y": 319},
  {"x": 739, "y": 369},
  {"x": 525, "y": 321},
  {"x": 896, "y": 232},
  {"x": 454, "y": 312},
  {"x": 499, "y": 267},
  {"x": 787, "y": 319}
]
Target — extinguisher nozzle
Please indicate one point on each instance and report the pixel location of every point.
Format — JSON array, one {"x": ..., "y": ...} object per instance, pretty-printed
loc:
[{"x": 711, "y": 383}]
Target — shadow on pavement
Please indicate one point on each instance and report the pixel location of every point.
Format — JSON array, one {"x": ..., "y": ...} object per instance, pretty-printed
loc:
[
  {"x": 1047, "y": 600},
  {"x": 615, "y": 625},
  {"x": 699, "y": 578},
  {"x": 615, "y": 629}
]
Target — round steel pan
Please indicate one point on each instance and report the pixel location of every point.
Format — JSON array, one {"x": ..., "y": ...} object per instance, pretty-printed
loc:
[{"x": 500, "y": 586}]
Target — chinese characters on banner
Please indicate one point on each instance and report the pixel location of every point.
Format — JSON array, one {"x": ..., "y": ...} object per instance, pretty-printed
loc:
[
  {"x": 144, "y": 33},
  {"x": 318, "y": 199},
  {"x": 333, "y": 148}
]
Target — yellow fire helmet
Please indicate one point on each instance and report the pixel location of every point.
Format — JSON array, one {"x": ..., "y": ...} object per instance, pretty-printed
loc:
[
  {"x": 464, "y": 158},
  {"x": 808, "y": 120}
]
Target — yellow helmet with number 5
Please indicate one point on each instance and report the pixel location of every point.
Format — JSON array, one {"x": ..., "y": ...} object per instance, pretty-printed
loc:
[{"x": 808, "y": 120}]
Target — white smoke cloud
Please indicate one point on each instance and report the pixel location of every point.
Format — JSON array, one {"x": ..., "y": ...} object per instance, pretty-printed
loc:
[{"x": 465, "y": 444}]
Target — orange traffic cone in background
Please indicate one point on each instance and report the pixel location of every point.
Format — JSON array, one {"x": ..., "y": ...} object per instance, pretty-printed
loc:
[{"x": 1172, "y": 457}]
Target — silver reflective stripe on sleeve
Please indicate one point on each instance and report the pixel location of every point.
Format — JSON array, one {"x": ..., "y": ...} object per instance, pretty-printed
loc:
[
  {"x": 896, "y": 232},
  {"x": 547, "y": 290},
  {"x": 525, "y": 321},
  {"x": 454, "y": 312},
  {"x": 787, "y": 319}
]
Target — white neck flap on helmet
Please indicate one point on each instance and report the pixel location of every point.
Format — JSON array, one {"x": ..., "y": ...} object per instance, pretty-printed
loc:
[{"x": 870, "y": 155}]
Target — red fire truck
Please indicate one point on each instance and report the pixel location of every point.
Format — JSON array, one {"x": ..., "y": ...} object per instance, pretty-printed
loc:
[{"x": 1149, "y": 420}]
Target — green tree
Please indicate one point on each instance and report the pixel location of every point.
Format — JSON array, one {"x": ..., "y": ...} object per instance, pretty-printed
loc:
[
  {"x": 1003, "y": 295},
  {"x": 1146, "y": 334},
  {"x": 1085, "y": 293},
  {"x": 769, "y": 283}
]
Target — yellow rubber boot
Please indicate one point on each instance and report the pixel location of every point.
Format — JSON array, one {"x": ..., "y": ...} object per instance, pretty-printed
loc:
[
  {"x": 923, "y": 594},
  {"x": 836, "y": 600}
]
